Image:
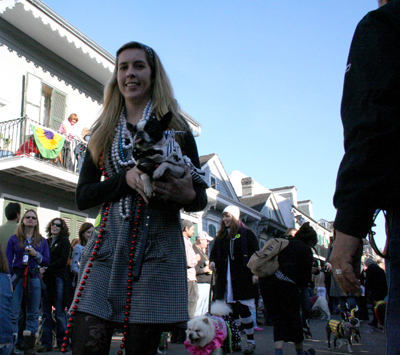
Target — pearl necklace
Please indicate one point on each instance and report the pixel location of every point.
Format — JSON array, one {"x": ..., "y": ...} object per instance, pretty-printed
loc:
[
  {"x": 120, "y": 160},
  {"x": 123, "y": 139}
]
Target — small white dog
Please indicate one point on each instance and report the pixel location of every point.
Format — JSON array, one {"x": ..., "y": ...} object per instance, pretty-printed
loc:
[
  {"x": 207, "y": 333},
  {"x": 322, "y": 305}
]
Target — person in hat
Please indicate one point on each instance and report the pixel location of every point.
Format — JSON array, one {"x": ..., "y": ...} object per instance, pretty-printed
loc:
[
  {"x": 234, "y": 281},
  {"x": 203, "y": 273}
]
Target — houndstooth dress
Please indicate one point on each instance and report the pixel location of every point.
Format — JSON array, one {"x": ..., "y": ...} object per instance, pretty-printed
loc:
[{"x": 160, "y": 293}]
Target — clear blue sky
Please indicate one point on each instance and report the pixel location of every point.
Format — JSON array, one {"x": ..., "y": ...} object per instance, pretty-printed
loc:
[{"x": 263, "y": 77}]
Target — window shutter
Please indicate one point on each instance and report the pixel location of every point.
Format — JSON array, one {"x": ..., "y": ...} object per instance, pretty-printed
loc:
[
  {"x": 33, "y": 97},
  {"x": 79, "y": 221},
  {"x": 212, "y": 231},
  {"x": 196, "y": 230},
  {"x": 57, "y": 112},
  {"x": 73, "y": 222},
  {"x": 67, "y": 217}
]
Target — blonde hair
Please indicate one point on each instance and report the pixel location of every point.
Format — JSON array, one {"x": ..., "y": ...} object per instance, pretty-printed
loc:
[
  {"x": 162, "y": 96},
  {"x": 36, "y": 236}
]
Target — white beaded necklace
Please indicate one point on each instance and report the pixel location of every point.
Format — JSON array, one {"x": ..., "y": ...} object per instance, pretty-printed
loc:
[{"x": 123, "y": 141}]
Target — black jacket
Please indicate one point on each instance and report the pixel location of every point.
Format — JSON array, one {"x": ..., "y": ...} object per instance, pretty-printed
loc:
[
  {"x": 59, "y": 254},
  {"x": 295, "y": 262},
  {"x": 241, "y": 275},
  {"x": 369, "y": 173}
]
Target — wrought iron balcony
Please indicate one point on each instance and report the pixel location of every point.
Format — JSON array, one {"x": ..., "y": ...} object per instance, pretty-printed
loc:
[{"x": 19, "y": 137}]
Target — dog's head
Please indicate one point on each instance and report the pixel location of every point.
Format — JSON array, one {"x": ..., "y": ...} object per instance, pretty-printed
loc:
[
  {"x": 201, "y": 331},
  {"x": 148, "y": 133},
  {"x": 348, "y": 329}
]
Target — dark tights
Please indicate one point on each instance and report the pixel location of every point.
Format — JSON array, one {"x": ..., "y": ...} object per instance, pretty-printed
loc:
[
  {"x": 92, "y": 335},
  {"x": 240, "y": 311}
]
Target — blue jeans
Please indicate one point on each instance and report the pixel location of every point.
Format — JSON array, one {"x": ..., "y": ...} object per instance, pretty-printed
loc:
[
  {"x": 61, "y": 317},
  {"x": 32, "y": 306},
  {"x": 392, "y": 323},
  {"x": 6, "y": 329}
]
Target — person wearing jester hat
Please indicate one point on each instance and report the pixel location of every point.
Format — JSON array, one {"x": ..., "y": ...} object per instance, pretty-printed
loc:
[{"x": 133, "y": 268}]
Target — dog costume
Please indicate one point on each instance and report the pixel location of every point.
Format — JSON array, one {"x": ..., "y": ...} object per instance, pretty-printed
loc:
[{"x": 221, "y": 333}]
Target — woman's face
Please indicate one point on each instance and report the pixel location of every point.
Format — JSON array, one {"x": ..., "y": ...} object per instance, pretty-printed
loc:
[
  {"x": 73, "y": 121},
  {"x": 134, "y": 76},
  {"x": 30, "y": 219},
  {"x": 88, "y": 233},
  {"x": 227, "y": 218},
  {"x": 55, "y": 227}
]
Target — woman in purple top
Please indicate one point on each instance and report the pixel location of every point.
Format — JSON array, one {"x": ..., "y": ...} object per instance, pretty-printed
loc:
[{"x": 25, "y": 276}]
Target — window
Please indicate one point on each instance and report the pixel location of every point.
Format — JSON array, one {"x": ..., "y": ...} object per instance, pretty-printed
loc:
[
  {"x": 213, "y": 182},
  {"x": 43, "y": 103},
  {"x": 73, "y": 222},
  {"x": 212, "y": 231}
]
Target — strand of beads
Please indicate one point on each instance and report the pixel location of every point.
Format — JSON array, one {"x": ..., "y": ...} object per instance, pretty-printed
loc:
[
  {"x": 87, "y": 271},
  {"x": 136, "y": 222}
]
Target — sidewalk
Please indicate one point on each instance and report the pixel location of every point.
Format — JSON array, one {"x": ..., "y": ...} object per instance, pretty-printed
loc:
[{"x": 373, "y": 342}]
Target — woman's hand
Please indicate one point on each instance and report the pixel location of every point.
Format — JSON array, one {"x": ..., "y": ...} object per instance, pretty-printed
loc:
[
  {"x": 254, "y": 279},
  {"x": 135, "y": 182},
  {"x": 32, "y": 252},
  {"x": 176, "y": 190},
  {"x": 212, "y": 266}
]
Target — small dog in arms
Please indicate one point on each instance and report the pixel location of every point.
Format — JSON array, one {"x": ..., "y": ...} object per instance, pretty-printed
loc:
[{"x": 156, "y": 152}]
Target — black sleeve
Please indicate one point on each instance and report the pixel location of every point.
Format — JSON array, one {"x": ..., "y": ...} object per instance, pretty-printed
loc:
[
  {"x": 213, "y": 252},
  {"x": 189, "y": 149},
  {"x": 305, "y": 266},
  {"x": 369, "y": 172},
  {"x": 92, "y": 192},
  {"x": 252, "y": 242}
]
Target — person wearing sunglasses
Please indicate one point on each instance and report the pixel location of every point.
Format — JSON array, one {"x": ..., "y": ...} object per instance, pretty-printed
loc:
[
  {"x": 26, "y": 252},
  {"x": 58, "y": 292}
]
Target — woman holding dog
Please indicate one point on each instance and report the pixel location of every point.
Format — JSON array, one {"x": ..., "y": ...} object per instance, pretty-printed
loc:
[
  {"x": 133, "y": 268},
  {"x": 281, "y": 291},
  {"x": 234, "y": 282}
]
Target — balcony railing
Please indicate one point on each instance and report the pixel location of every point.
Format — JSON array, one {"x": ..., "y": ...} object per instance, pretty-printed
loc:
[{"x": 17, "y": 139}]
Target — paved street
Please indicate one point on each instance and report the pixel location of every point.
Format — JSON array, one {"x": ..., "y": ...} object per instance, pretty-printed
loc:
[{"x": 372, "y": 342}]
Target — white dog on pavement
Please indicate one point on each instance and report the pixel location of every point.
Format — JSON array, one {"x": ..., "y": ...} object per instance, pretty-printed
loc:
[{"x": 321, "y": 304}]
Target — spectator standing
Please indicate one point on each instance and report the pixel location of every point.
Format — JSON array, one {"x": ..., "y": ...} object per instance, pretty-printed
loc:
[
  {"x": 203, "y": 273},
  {"x": 375, "y": 285},
  {"x": 319, "y": 283},
  {"x": 281, "y": 291},
  {"x": 234, "y": 282},
  {"x": 6, "y": 328},
  {"x": 26, "y": 251},
  {"x": 58, "y": 286},
  {"x": 369, "y": 174},
  {"x": 85, "y": 232},
  {"x": 68, "y": 127},
  {"x": 191, "y": 260},
  {"x": 13, "y": 213}
]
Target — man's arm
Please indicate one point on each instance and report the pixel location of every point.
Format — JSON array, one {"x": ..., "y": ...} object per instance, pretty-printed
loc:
[{"x": 345, "y": 260}]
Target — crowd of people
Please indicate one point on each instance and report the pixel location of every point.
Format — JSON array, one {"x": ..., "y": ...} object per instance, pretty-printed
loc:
[
  {"x": 44, "y": 274},
  {"x": 35, "y": 281}
]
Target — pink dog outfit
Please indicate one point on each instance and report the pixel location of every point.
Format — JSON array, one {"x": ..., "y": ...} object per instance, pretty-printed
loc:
[{"x": 221, "y": 333}]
